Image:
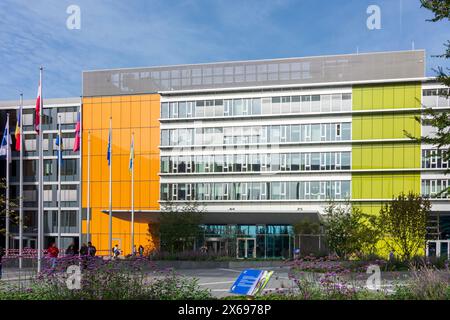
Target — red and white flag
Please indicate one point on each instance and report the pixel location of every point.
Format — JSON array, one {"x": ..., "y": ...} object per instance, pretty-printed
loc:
[{"x": 37, "y": 116}]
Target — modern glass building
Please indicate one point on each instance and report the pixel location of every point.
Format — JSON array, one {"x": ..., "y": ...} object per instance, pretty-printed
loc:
[
  {"x": 67, "y": 109},
  {"x": 261, "y": 145}
]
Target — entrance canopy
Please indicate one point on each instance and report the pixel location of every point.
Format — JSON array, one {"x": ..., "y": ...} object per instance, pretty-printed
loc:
[{"x": 227, "y": 217}]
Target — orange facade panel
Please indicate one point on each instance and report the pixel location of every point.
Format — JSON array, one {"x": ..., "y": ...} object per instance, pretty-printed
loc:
[{"x": 138, "y": 115}]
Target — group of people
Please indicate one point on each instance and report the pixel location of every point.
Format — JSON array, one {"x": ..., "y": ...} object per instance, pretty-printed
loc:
[
  {"x": 116, "y": 251},
  {"x": 72, "y": 250}
]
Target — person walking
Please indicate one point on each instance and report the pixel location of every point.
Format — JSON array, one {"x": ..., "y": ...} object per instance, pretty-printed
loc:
[
  {"x": 116, "y": 251},
  {"x": 141, "y": 251},
  {"x": 92, "y": 250},
  {"x": 53, "y": 253}
]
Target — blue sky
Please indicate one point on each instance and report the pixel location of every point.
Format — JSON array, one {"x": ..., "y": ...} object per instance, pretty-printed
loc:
[{"x": 119, "y": 34}]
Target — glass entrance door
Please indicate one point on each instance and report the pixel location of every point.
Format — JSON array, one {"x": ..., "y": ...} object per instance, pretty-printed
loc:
[{"x": 246, "y": 248}]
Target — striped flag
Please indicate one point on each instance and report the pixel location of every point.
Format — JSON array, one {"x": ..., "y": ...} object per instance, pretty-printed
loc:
[
  {"x": 17, "y": 133},
  {"x": 131, "y": 154},
  {"x": 76, "y": 145},
  {"x": 37, "y": 116}
]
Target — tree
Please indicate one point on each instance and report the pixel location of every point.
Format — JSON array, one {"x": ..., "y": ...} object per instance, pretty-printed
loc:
[
  {"x": 438, "y": 119},
  {"x": 13, "y": 216},
  {"x": 441, "y": 11},
  {"x": 179, "y": 226},
  {"x": 348, "y": 230},
  {"x": 404, "y": 223}
]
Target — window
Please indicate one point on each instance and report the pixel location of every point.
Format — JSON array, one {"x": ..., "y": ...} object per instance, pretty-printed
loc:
[
  {"x": 346, "y": 102},
  {"x": 218, "y": 108},
  {"x": 325, "y": 103},
  {"x": 200, "y": 109},
  {"x": 295, "y": 104},
  {"x": 306, "y": 104},
  {"x": 209, "y": 108},
  {"x": 295, "y": 133},
  {"x": 266, "y": 106},
  {"x": 315, "y": 103},
  {"x": 285, "y": 104},
  {"x": 315, "y": 132},
  {"x": 238, "y": 107},
  {"x": 182, "y": 110},
  {"x": 276, "y": 105},
  {"x": 164, "y": 137},
  {"x": 336, "y": 100},
  {"x": 256, "y": 106},
  {"x": 164, "y": 110},
  {"x": 173, "y": 109}
]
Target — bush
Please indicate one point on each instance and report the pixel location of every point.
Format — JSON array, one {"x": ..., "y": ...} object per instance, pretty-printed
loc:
[
  {"x": 108, "y": 280},
  {"x": 426, "y": 283}
]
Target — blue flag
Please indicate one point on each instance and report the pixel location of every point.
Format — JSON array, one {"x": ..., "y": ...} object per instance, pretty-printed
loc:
[
  {"x": 130, "y": 167},
  {"x": 59, "y": 143},
  {"x": 108, "y": 153}
]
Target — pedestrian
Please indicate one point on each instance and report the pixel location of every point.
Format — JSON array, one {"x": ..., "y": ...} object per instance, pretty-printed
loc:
[
  {"x": 116, "y": 251},
  {"x": 141, "y": 251},
  {"x": 92, "y": 250},
  {"x": 134, "y": 251},
  {"x": 84, "y": 250},
  {"x": 70, "y": 251},
  {"x": 53, "y": 253}
]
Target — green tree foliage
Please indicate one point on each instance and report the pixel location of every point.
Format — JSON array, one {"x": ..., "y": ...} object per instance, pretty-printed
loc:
[
  {"x": 179, "y": 226},
  {"x": 13, "y": 216},
  {"x": 439, "y": 120},
  {"x": 350, "y": 231},
  {"x": 404, "y": 222}
]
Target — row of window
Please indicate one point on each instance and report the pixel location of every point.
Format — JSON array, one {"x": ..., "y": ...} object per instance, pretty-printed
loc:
[
  {"x": 223, "y": 191},
  {"x": 69, "y": 169},
  {"x": 436, "y": 188},
  {"x": 257, "y": 134},
  {"x": 434, "y": 158},
  {"x": 257, "y": 162},
  {"x": 436, "y": 97},
  {"x": 257, "y": 106}
]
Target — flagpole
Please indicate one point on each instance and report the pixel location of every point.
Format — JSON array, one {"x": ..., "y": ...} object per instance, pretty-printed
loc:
[
  {"x": 39, "y": 191},
  {"x": 59, "y": 160},
  {"x": 8, "y": 159},
  {"x": 21, "y": 183},
  {"x": 132, "y": 193},
  {"x": 110, "y": 186},
  {"x": 88, "y": 204}
]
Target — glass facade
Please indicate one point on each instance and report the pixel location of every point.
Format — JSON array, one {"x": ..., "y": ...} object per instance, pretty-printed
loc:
[
  {"x": 237, "y": 191},
  {"x": 249, "y": 241},
  {"x": 257, "y": 106},
  {"x": 236, "y": 135},
  {"x": 220, "y": 163}
]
